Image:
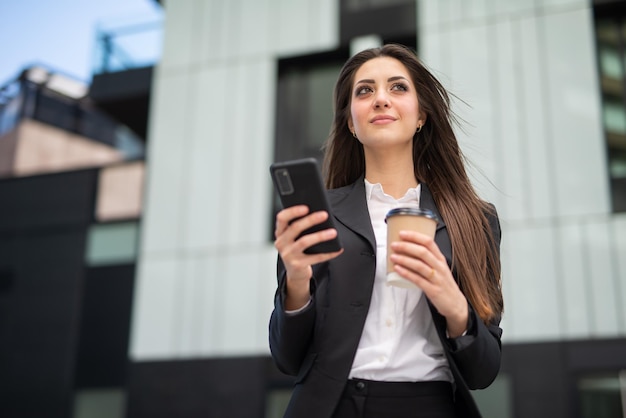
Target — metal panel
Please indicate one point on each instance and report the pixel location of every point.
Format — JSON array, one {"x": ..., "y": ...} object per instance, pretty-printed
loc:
[
  {"x": 48, "y": 201},
  {"x": 574, "y": 282},
  {"x": 536, "y": 121},
  {"x": 601, "y": 275},
  {"x": 225, "y": 387},
  {"x": 167, "y": 165},
  {"x": 155, "y": 314},
  {"x": 179, "y": 33},
  {"x": 534, "y": 295},
  {"x": 471, "y": 78},
  {"x": 510, "y": 144},
  {"x": 576, "y": 141}
]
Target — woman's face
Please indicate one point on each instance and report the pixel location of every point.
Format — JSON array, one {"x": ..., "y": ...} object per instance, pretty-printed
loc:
[{"x": 384, "y": 110}]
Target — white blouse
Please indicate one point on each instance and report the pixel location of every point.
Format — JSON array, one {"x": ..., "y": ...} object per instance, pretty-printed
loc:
[{"x": 399, "y": 341}]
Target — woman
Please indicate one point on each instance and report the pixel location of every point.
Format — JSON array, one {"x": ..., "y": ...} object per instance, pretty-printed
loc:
[{"x": 358, "y": 347}]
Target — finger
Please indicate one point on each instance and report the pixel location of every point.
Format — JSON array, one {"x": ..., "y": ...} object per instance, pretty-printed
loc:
[
  {"x": 414, "y": 250},
  {"x": 298, "y": 226},
  {"x": 418, "y": 279},
  {"x": 287, "y": 215},
  {"x": 415, "y": 265},
  {"x": 422, "y": 239},
  {"x": 292, "y": 226},
  {"x": 308, "y": 240}
]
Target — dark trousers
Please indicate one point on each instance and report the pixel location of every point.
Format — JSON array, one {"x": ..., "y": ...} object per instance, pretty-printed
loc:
[{"x": 369, "y": 399}]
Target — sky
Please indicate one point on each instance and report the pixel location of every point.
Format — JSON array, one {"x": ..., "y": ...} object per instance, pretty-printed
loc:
[{"x": 61, "y": 34}]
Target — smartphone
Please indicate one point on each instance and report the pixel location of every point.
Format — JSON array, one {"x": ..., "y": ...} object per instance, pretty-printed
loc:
[{"x": 299, "y": 182}]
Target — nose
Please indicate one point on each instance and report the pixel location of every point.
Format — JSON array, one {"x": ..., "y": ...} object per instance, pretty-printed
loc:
[{"x": 381, "y": 99}]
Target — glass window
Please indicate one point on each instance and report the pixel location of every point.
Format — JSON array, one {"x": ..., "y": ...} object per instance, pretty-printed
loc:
[
  {"x": 304, "y": 104},
  {"x": 113, "y": 243},
  {"x": 354, "y": 5},
  {"x": 277, "y": 400},
  {"x": 496, "y": 400},
  {"x": 611, "y": 50},
  {"x": 99, "y": 403},
  {"x": 602, "y": 396},
  {"x": 392, "y": 20},
  {"x": 614, "y": 117},
  {"x": 304, "y": 107}
]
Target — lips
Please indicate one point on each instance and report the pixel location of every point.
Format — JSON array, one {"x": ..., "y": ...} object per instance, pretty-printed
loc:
[{"x": 382, "y": 119}]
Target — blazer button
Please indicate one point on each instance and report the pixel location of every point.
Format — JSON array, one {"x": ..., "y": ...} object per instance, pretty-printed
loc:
[{"x": 360, "y": 386}]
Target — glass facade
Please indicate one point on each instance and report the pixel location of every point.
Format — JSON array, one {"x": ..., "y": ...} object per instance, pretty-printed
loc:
[
  {"x": 112, "y": 244},
  {"x": 497, "y": 399},
  {"x": 304, "y": 104},
  {"x": 356, "y": 5},
  {"x": 603, "y": 396},
  {"x": 99, "y": 403},
  {"x": 611, "y": 50}
]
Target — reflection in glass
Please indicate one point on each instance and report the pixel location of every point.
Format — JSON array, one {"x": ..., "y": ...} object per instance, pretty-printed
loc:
[
  {"x": 601, "y": 396},
  {"x": 497, "y": 399},
  {"x": 276, "y": 404},
  {"x": 611, "y": 45},
  {"x": 304, "y": 113},
  {"x": 610, "y": 62},
  {"x": 356, "y": 5},
  {"x": 618, "y": 165},
  {"x": 99, "y": 403},
  {"x": 614, "y": 117},
  {"x": 112, "y": 244}
]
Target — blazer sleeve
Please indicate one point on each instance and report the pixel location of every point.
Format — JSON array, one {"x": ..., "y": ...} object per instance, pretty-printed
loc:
[
  {"x": 290, "y": 334},
  {"x": 477, "y": 354}
]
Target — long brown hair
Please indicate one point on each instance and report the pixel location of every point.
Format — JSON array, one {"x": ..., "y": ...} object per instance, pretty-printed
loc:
[{"x": 439, "y": 163}]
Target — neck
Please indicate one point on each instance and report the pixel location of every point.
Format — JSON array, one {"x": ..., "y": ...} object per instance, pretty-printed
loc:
[{"x": 395, "y": 173}]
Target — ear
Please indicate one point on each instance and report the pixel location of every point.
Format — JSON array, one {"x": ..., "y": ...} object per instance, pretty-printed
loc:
[
  {"x": 422, "y": 119},
  {"x": 350, "y": 125}
]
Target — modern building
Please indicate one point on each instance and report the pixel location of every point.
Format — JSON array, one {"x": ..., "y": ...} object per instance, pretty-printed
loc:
[
  {"x": 541, "y": 99},
  {"x": 541, "y": 94},
  {"x": 71, "y": 194}
]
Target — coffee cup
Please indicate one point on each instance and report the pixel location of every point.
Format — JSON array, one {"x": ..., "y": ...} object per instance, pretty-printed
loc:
[{"x": 406, "y": 219}]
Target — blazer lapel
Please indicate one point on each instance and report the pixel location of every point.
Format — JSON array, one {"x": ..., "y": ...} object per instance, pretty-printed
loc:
[{"x": 350, "y": 208}]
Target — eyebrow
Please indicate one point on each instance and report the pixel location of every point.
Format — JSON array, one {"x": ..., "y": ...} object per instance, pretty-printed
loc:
[{"x": 371, "y": 81}]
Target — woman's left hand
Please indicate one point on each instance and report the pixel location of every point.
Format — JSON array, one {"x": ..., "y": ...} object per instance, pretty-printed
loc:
[{"x": 418, "y": 259}]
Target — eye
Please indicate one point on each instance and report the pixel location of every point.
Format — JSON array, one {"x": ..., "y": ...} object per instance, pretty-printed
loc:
[
  {"x": 362, "y": 90},
  {"x": 400, "y": 87}
]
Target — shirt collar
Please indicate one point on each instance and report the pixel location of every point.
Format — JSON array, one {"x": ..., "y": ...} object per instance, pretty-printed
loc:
[{"x": 376, "y": 190}]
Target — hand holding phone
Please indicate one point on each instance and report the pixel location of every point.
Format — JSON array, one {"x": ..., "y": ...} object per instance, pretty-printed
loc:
[{"x": 298, "y": 182}]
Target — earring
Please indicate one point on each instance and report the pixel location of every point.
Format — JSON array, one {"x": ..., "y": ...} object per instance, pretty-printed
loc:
[
  {"x": 419, "y": 129},
  {"x": 354, "y": 134}
]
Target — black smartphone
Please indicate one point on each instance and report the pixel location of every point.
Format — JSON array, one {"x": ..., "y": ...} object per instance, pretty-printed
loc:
[{"x": 299, "y": 182}]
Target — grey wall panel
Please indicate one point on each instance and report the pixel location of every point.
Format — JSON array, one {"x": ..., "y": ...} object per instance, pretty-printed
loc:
[
  {"x": 101, "y": 358},
  {"x": 40, "y": 329},
  {"x": 545, "y": 375},
  {"x": 202, "y": 388},
  {"x": 48, "y": 201}
]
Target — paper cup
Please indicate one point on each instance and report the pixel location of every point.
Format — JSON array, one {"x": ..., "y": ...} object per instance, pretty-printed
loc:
[{"x": 406, "y": 219}]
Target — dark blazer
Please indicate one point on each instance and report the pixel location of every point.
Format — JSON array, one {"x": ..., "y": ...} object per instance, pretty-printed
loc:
[{"x": 318, "y": 344}]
